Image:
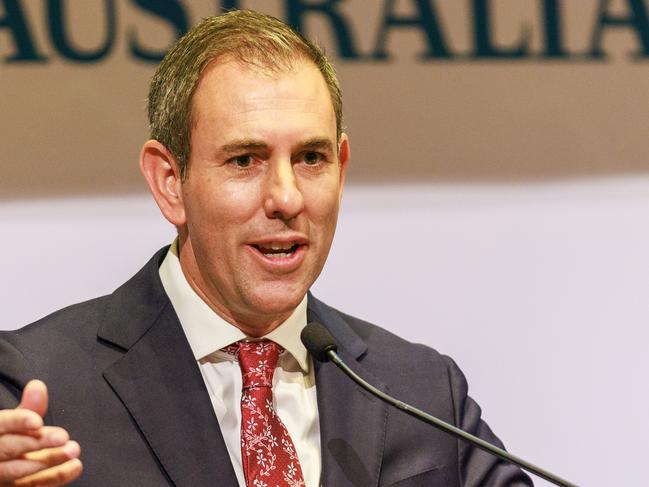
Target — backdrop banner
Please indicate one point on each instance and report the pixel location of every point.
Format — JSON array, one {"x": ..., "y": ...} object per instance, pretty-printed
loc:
[{"x": 443, "y": 90}]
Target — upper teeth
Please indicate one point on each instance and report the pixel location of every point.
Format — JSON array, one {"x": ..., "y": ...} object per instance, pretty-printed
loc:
[{"x": 278, "y": 245}]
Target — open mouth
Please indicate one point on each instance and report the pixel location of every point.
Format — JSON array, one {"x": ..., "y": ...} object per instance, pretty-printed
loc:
[{"x": 277, "y": 250}]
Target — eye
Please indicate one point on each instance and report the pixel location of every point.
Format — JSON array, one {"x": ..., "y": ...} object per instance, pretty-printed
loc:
[
  {"x": 312, "y": 158},
  {"x": 242, "y": 161}
]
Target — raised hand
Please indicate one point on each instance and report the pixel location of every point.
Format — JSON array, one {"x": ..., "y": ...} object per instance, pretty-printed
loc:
[{"x": 31, "y": 454}]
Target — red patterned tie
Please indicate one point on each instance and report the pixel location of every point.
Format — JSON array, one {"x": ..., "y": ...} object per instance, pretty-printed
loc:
[{"x": 267, "y": 453}]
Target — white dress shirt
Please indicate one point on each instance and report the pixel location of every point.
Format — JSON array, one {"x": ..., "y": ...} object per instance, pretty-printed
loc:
[{"x": 294, "y": 392}]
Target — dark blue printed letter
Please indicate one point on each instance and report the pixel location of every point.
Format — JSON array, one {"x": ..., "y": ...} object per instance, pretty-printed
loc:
[
  {"x": 61, "y": 40},
  {"x": 169, "y": 10},
  {"x": 295, "y": 13},
  {"x": 484, "y": 46},
  {"x": 425, "y": 20},
  {"x": 637, "y": 20},
  {"x": 14, "y": 20}
]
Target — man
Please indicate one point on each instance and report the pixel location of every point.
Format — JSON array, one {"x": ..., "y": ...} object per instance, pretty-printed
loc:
[{"x": 247, "y": 159}]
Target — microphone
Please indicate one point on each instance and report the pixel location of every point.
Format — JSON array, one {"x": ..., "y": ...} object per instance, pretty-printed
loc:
[{"x": 321, "y": 344}]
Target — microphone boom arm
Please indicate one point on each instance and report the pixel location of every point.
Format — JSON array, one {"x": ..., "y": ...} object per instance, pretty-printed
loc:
[{"x": 448, "y": 428}]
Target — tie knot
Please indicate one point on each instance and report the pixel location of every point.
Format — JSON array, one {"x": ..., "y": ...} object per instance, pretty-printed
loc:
[{"x": 258, "y": 361}]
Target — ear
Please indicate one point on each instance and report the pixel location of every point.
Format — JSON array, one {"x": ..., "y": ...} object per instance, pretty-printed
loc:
[
  {"x": 343, "y": 159},
  {"x": 162, "y": 174}
]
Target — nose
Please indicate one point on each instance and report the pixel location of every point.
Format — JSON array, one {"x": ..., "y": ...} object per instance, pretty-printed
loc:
[{"x": 283, "y": 198}]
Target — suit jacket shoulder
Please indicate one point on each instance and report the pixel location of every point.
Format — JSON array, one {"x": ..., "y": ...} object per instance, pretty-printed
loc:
[
  {"x": 411, "y": 452},
  {"x": 123, "y": 381}
]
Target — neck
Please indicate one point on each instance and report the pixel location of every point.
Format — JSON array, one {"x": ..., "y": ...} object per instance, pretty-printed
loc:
[{"x": 252, "y": 325}]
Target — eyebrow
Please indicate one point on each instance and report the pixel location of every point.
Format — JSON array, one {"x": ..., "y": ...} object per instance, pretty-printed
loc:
[
  {"x": 318, "y": 143},
  {"x": 243, "y": 145},
  {"x": 237, "y": 146}
]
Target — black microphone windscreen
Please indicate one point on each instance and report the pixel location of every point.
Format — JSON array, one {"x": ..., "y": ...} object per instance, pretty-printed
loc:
[{"x": 318, "y": 341}]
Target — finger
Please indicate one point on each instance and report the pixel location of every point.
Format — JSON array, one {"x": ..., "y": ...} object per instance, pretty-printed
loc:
[
  {"x": 34, "y": 397},
  {"x": 55, "y": 456},
  {"x": 20, "y": 421},
  {"x": 13, "y": 446},
  {"x": 34, "y": 462},
  {"x": 53, "y": 477}
]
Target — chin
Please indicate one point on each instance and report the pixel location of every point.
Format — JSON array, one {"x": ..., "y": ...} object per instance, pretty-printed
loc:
[{"x": 277, "y": 301}]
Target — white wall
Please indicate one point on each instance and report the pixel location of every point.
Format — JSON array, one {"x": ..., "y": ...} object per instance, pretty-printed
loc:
[{"x": 538, "y": 291}]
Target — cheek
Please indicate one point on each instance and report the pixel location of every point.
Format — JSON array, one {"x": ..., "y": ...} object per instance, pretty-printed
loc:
[
  {"x": 217, "y": 219},
  {"x": 324, "y": 205},
  {"x": 225, "y": 203}
]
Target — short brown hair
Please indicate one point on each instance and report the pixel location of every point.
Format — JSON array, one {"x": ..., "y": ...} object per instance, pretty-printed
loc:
[{"x": 249, "y": 37}]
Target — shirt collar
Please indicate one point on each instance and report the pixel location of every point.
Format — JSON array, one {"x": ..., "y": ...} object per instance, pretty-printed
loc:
[
  {"x": 207, "y": 332},
  {"x": 287, "y": 335}
]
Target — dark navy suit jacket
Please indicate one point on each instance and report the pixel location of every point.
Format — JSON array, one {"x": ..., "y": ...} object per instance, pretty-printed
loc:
[{"x": 124, "y": 383}]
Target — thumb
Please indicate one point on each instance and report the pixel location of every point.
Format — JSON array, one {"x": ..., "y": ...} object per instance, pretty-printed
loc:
[{"x": 35, "y": 397}]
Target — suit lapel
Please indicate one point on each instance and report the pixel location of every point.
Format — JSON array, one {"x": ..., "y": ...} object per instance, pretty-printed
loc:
[
  {"x": 352, "y": 422},
  {"x": 160, "y": 384},
  {"x": 158, "y": 381}
]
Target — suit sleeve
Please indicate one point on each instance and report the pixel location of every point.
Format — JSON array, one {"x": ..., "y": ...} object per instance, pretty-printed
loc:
[
  {"x": 477, "y": 467},
  {"x": 15, "y": 372}
]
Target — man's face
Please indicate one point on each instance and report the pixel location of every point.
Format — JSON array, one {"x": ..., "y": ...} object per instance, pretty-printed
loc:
[{"x": 262, "y": 192}]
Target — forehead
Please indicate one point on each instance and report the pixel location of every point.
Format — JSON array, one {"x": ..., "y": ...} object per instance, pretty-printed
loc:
[{"x": 231, "y": 93}]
